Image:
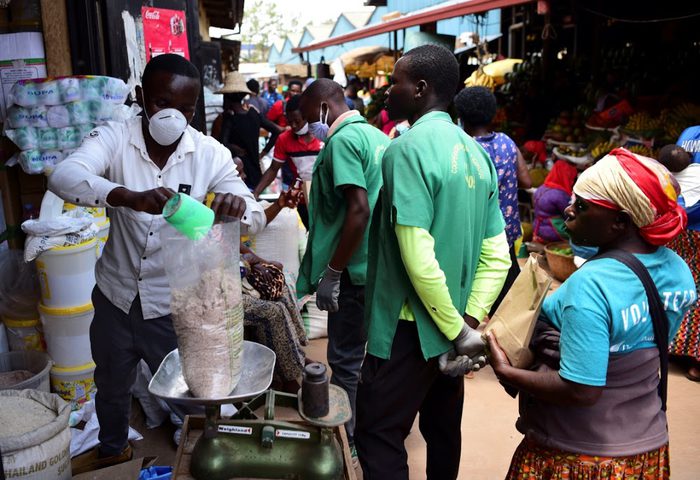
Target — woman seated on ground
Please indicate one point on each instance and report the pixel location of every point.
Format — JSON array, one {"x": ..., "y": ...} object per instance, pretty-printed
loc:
[
  {"x": 595, "y": 412},
  {"x": 272, "y": 317},
  {"x": 551, "y": 199}
]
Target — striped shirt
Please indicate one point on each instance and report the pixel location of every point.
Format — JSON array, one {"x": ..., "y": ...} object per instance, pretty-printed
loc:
[{"x": 299, "y": 155}]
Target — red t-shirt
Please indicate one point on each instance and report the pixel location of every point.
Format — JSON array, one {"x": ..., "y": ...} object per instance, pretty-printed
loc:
[
  {"x": 292, "y": 149},
  {"x": 276, "y": 114}
]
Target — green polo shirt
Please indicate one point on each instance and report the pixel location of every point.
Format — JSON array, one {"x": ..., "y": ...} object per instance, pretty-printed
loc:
[
  {"x": 352, "y": 156},
  {"x": 438, "y": 178}
]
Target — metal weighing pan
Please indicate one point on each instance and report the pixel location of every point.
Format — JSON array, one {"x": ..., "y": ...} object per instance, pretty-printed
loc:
[{"x": 258, "y": 365}]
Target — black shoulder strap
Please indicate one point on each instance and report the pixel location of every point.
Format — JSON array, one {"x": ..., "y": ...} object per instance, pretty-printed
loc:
[{"x": 656, "y": 310}]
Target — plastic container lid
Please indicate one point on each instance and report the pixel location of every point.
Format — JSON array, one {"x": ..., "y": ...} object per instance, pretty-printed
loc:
[
  {"x": 20, "y": 323},
  {"x": 73, "y": 370},
  {"x": 65, "y": 311}
]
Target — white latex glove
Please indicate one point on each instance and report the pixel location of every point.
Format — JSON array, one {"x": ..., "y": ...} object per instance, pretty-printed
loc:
[{"x": 328, "y": 290}]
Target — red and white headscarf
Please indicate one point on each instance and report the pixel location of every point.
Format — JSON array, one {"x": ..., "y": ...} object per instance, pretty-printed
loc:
[{"x": 639, "y": 186}]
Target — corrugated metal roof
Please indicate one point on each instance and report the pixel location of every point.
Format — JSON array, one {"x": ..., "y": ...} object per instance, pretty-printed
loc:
[
  {"x": 455, "y": 8},
  {"x": 358, "y": 18}
]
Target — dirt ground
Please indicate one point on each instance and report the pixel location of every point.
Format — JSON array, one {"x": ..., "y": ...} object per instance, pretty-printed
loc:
[{"x": 489, "y": 415}]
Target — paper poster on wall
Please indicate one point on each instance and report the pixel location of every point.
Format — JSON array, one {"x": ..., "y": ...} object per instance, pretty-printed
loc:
[
  {"x": 21, "y": 57},
  {"x": 164, "y": 31}
]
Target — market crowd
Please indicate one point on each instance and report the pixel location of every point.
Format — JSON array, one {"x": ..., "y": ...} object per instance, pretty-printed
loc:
[{"x": 413, "y": 232}]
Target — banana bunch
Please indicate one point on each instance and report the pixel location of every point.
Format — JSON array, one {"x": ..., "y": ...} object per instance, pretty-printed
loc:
[
  {"x": 679, "y": 118},
  {"x": 480, "y": 79},
  {"x": 642, "y": 122},
  {"x": 641, "y": 150},
  {"x": 601, "y": 149}
]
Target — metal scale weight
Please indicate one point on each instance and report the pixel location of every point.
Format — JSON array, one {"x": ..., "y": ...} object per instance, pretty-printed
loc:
[{"x": 248, "y": 446}]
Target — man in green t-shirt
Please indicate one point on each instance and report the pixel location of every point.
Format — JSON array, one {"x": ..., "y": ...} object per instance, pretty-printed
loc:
[
  {"x": 438, "y": 258},
  {"x": 344, "y": 188}
]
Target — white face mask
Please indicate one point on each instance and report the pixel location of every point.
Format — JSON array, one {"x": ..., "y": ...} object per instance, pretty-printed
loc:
[
  {"x": 165, "y": 126},
  {"x": 303, "y": 130},
  {"x": 320, "y": 129}
]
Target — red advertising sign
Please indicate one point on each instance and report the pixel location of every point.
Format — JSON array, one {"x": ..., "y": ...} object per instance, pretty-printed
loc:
[{"x": 164, "y": 31}]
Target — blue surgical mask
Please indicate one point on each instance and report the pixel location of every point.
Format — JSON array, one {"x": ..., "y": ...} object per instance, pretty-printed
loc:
[{"x": 320, "y": 129}]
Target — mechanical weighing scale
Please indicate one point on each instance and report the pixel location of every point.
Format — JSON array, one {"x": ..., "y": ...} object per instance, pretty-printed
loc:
[{"x": 252, "y": 447}]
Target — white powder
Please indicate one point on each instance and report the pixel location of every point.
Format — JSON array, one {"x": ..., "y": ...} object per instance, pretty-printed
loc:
[
  {"x": 19, "y": 415},
  {"x": 208, "y": 320}
]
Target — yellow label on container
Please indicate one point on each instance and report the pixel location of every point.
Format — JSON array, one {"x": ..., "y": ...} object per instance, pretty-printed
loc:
[{"x": 76, "y": 392}]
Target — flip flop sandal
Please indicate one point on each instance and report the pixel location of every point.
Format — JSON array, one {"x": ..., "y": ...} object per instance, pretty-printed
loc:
[{"x": 691, "y": 377}]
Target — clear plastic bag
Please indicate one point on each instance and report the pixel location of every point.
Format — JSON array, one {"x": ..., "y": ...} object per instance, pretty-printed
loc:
[{"x": 207, "y": 306}]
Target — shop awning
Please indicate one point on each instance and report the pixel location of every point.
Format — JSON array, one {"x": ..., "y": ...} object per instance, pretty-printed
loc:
[
  {"x": 224, "y": 13},
  {"x": 442, "y": 11}
]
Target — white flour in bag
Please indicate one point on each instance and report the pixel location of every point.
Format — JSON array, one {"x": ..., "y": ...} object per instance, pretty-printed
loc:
[{"x": 208, "y": 321}]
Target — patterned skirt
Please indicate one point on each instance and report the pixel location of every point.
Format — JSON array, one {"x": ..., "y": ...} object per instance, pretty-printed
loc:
[
  {"x": 687, "y": 340},
  {"x": 278, "y": 325},
  {"x": 532, "y": 461}
]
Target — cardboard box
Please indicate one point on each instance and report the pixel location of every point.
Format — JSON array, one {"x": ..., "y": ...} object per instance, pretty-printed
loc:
[{"x": 126, "y": 471}]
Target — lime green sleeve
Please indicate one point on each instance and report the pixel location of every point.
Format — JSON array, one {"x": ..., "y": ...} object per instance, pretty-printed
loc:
[
  {"x": 491, "y": 273},
  {"x": 418, "y": 254}
]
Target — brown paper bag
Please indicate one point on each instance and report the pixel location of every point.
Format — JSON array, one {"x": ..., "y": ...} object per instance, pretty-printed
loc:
[{"x": 514, "y": 321}]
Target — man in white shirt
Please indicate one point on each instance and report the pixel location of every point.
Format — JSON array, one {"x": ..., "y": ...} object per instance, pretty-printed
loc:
[{"x": 133, "y": 168}]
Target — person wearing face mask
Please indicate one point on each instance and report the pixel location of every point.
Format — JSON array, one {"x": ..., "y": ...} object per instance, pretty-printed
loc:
[
  {"x": 278, "y": 109},
  {"x": 296, "y": 148},
  {"x": 344, "y": 189},
  {"x": 133, "y": 168}
]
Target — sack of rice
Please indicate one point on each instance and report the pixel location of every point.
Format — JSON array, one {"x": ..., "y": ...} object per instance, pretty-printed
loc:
[
  {"x": 34, "y": 435},
  {"x": 206, "y": 307}
]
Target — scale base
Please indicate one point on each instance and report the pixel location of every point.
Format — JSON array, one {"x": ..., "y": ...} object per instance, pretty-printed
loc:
[{"x": 250, "y": 447}]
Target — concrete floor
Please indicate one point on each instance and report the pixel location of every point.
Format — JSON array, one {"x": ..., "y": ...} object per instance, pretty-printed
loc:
[{"x": 489, "y": 416}]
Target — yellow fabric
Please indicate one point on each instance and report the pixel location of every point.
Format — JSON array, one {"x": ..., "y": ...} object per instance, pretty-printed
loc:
[
  {"x": 418, "y": 255},
  {"x": 607, "y": 180},
  {"x": 491, "y": 273}
]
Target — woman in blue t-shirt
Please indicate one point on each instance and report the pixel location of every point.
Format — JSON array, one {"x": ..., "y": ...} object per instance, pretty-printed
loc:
[
  {"x": 599, "y": 415},
  {"x": 477, "y": 108}
]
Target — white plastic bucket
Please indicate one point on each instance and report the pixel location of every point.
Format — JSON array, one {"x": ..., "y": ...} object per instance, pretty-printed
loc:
[
  {"x": 67, "y": 334},
  {"x": 102, "y": 236},
  {"x": 74, "y": 384},
  {"x": 24, "y": 335},
  {"x": 37, "y": 363},
  {"x": 67, "y": 274}
]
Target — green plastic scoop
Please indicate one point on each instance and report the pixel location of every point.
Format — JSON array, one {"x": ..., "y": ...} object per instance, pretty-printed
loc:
[{"x": 188, "y": 216}]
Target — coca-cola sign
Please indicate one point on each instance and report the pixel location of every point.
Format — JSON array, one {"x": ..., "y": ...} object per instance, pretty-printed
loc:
[{"x": 164, "y": 31}]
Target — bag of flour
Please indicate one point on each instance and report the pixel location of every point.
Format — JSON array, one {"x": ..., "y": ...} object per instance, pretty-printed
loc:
[{"x": 206, "y": 306}]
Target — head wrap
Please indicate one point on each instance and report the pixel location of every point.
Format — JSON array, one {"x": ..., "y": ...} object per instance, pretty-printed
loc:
[
  {"x": 537, "y": 147},
  {"x": 639, "y": 186},
  {"x": 562, "y": 177}
]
